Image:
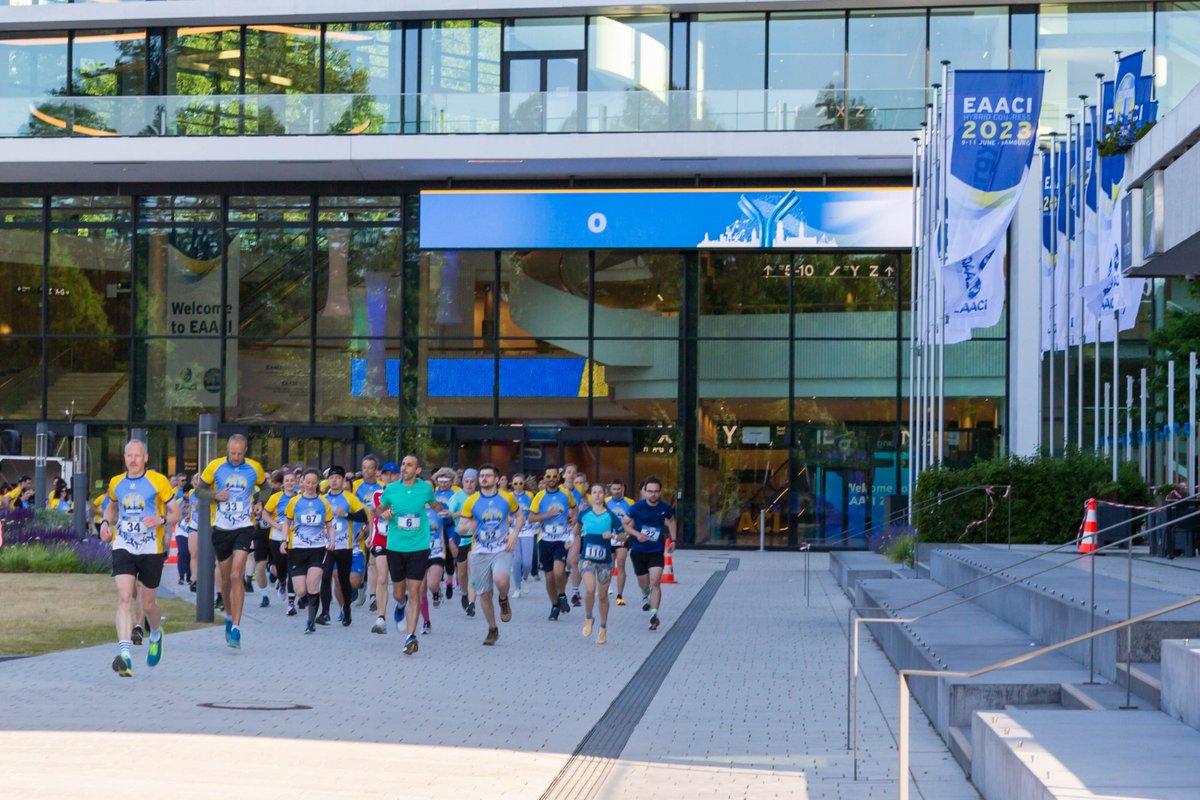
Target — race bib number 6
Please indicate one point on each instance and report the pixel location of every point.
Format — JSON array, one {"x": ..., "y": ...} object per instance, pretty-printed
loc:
[{"x": 408, "y": 522}]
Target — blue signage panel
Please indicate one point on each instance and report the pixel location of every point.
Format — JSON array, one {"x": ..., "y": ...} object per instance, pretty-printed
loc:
[{"x": 673, "y": 219}]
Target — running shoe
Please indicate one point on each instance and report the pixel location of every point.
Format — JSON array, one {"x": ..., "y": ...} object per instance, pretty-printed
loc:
[
  {"x": 345, "y": 617},
  {"x": 602, "y": 637},
  {"x": 310, "y": 628},
  {"x": 493, "y": 635},
  {"x": 380, "y": 626},
  {"x": 575, "y": 601},
  {"x": 537, "y": 576},
  {"x": 219, "y": 605},
  {"x": 303, "y": 601},
  {"x": 340, "y": 615},
  {"x": 563, "y": 605},
  {"x": 137, "y": 634},
  {"x": 426, "y": 627},
  {"x": 360, "y": 598},
  {"x": 449, "y": 591},
  {"x": 192, "y": 587},
  {"x": 154, "y": 653},
  {"x": 248, "y": 582},
  {"x": 620, "y": 600},
  {"x": 123, "y": 666},
  {"x": 266, "y": 601},
  {"x": 554, "y": 612},
  {"x": 505, "y": 610},
  {"x": 463, "y": 598},
  {"x": 235, "y": 638},
  {"x": 516, "y": 594},
  {"x": 291, "y": 609},
  {"x": 322, "y": 619},
  {"x": 398, "y": 617},
  {"x": 411, "y": 645},
  {"x": 374, "y": 604},
  {"x": 470, "y": 609},
  {"x": 179, "y": 582},
  {"x": 437, "y": 599},
  {"x": 645, "y": 604},
  {"x": 587, "y": 628},
  {"x": 654, "y": 622},
  {"x": 229, "y": 631}
]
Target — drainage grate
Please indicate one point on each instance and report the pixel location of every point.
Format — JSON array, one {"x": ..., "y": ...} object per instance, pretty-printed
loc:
[
  {"x": 248, "y": 706},
  {"x": 585, "y": 772}
]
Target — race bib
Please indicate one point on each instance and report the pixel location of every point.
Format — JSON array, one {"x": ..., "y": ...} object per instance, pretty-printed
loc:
[
  {"x": 311, "y": 519},
  {"x": 652, "y": 534},
  {"x": 231, "y": 509},
  {"x": 595, "y": 552},
  {"x": 408, "y": 522},
  {"x": 130, "y": 528}
]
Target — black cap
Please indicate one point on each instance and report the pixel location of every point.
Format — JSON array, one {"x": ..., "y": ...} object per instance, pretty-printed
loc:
[{"x": 335, "y": 470}]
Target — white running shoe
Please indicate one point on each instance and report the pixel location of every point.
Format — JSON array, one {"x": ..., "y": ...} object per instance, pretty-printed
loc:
[{"x": 516, "y": 594}]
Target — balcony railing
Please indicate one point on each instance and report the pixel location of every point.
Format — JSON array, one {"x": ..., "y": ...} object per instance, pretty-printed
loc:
[{"x": 449, "y": 113}]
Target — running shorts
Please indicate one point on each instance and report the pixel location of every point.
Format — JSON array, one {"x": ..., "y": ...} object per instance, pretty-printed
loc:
[
  {"x": 407, "y": 566},
  {"x": 302, "y": 559},
  {"x": 602, "y": 571},
  {"x": 226, "y": 541},
  {"x": 437, "y": 562},
  {"x": 485, "y": 566},
  {"x": 146, "y": 568},
  {"x": 644, "y": 562},
  {"x": 549, "y": 552},
  {"x": 262, "y": 544},
  {"x": 358, "y": 564}
]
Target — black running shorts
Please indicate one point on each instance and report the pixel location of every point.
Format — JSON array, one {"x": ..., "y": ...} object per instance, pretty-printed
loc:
[
  {"x": 302, "y": 559},
  {"x": 146, "y": 568},
  {"x": 407, "y": 566},
  {"x": 644, "y": 562},
  {"x": 226, "y": 541}
]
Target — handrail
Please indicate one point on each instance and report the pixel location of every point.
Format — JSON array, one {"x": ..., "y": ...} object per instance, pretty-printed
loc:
[
  {"x": 904, "y": 674},
  {"x": 895, "y": 517},
  {"x": 852, "y": 623}
]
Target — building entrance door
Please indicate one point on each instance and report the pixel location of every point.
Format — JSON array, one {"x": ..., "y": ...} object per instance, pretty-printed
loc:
[{"x": 543, "y": 91}]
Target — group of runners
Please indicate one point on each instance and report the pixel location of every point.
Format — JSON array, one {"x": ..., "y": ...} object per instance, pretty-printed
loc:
[{"x": 311, "y": 536}]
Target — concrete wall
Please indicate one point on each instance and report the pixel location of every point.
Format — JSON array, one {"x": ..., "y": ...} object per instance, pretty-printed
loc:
[{"x": 1181, "y": 680}]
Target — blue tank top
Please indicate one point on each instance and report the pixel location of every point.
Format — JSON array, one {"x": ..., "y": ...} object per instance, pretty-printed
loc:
[{"x": 596, "y": 548}]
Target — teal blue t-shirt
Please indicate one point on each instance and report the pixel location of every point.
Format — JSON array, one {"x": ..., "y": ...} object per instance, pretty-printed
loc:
[
  {"x": 408, "y": 529},
  {"x": 596, "y": 548}
]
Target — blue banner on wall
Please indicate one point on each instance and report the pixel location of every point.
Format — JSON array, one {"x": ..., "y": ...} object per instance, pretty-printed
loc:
[
  {"x": 473, "y": 377},
  {"x": 675, "y": 219}
]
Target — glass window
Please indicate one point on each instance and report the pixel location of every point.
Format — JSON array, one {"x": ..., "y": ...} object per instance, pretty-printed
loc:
[
  {"x": 460, "y": 56},
  {"x": 1023, "y": 38},
  {"x": 543, "y": 33},
  {"x": 180, "y": 377},
  {"x": 270, "y": 265},
  {"x": 846, "y": 295},
  {"x": 358, "y": 379},
  {"x": 1176, "y": 60},
  {"x": 87, "y": 379},
  {"x": 456, "y": 292},
  {"x": 806, "y": 68},
  {"x": 743, "y": 296},
  {"x": 35, "y": 64},
  {"x": 358, "y": 281},
  {"x": 21, "y": 378},
  {"x": 90, "y": 254},
  {"x": 637, "y": 294},
  {"x": 363, "y": 59},
  {"x": 543, "y": 293},
  {"x": 268, "y": 381},
  {"x": 728, "y": 63},
  {"x": 1077, "y": 41},
  {"x": 969, "y": 38},
  {"x": 21, "y": 264},
  {"x": 202, "y": 62},
  {"x": 283, "y": 59},
  {"x": 636, "y": 380},
  {"x": 109, "y": 63},
  {"x": 629, "y": 53},
  {"x": 886, "y": 79}
]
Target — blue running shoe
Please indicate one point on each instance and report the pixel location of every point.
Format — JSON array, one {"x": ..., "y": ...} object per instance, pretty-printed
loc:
[
  {"x": 154, "y": 654},
  {"x": 398, "y": 617},
  {"x": 228, "y": 628},
  {"x": 235, "y": 638},
  {"x": 554, "y": 612},
  {"x": 123, "y": 666}
]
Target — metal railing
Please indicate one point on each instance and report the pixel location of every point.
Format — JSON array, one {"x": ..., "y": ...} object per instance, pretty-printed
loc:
[
  {"x": 852, "y": 644},
  {"x": 902, "y": 733},
  {"x": 826, "y": 109},
  {"x": 897, "y": 517}
]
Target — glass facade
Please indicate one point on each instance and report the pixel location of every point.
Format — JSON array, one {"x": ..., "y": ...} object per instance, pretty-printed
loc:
[{"x": 743, "y": 70}]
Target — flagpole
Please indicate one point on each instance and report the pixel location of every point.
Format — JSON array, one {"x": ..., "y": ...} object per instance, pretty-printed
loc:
[
  {"x": 1099, "y": 254},
  {"x": 1081, "y": 226},
  {"x": 1054, "y": 200},
  {"x": 1116, "y": 370},
  {"x": 926, "y": 292},
  {"x": 1070, "y": 221},
  {"x": 931, "y": 280},
  {"x": 943, "y": 176},
  {"x": 1043, "y": 316},
  {"x": 912, "y": 339}
]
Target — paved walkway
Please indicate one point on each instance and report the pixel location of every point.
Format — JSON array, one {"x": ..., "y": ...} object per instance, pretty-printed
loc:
[{"x": 743, "y": 697}]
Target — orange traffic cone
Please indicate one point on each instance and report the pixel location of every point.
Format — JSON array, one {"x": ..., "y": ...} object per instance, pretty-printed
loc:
[
  {"x": 1088, "y": 543},
  {"x": 173, "y": 555},
  {"x": 668, "y": 575}
]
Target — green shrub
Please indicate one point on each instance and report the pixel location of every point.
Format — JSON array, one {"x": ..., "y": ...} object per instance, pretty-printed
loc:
[
  {"x": 39, "y": 558},
  {"x": 1047, "y": 497},
  {"x": 902, "y": 550}
]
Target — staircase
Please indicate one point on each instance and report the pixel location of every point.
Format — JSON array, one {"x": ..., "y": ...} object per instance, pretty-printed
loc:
[
  {"x": 1042, "y": 729},
  {"x": 88, "y": 394}
]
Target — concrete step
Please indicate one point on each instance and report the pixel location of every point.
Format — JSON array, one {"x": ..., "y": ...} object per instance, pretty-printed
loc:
[
  {"x": 959, "y": 742},
  {"x": 1099, "y": 697},
  {"x": 1039, "y": 755},
  {"x": 1179, "y": 680},
  {"x": 1055, "y": 606},
  {"x": 1147, "y": 681},
  {"x": 962, "y": 638},
  {"x": 851, "y": 567}
]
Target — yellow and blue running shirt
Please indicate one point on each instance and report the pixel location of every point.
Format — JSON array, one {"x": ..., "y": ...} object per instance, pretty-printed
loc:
[
  {"x": 341, "y": 526},
  {"x": 242, "y": 482},
  {"x": 137, "y": 498},
  {"x": 276, "y": 507},
  {"x": 309, "y": 516},
  {"x": 556, "y": 528},
  {"x": 491, "y": 515}
]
